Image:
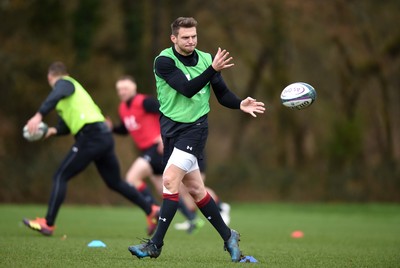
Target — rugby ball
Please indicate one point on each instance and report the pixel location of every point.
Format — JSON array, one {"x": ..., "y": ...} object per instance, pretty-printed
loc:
[
  {"x": 39, "y": 134},
  {"x": 298, "y": 95}
]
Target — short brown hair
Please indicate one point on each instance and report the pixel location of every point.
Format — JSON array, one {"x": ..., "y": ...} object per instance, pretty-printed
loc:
[
  {"x": 58, "y": 68},
  {"x": 184, "y": 22},
  {"x": 127, "y": 77}
]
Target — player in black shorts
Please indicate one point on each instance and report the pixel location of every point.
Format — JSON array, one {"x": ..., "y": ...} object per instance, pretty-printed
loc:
[
  {"x": 139, "y": 117},
  {"x": 184, "y": 78},
  {"x": 193, "y": 223},
  {"x": 81, "y": 117}
]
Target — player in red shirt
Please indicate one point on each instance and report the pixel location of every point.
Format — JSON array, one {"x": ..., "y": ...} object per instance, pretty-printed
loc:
[{"x": 139, "y": 116}]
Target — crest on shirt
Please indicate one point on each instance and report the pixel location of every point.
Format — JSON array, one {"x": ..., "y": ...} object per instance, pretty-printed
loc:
[{"x": 130, "y": 123}]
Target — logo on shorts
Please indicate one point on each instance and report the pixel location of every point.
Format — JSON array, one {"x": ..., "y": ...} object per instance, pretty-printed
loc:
[{"x": 189, "y": 148}]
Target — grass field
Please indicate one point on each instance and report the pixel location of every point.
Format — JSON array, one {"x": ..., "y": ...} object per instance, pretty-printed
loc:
[{"x": 336, "y": 235}]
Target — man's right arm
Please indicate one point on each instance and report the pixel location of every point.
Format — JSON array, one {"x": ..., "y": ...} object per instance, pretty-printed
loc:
[
  {"x": 165, "y": 68},
  {"x": 62, "y": 89}
]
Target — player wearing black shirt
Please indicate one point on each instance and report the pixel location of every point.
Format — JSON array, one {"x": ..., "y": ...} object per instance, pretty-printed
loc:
[{"x": 80, "y": 116}]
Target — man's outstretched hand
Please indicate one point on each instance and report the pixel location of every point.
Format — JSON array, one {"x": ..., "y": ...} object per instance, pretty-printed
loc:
[{"x": 252, "y": 106}]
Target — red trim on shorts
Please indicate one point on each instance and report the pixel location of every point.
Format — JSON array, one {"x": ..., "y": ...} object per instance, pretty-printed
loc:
[
  {"x": 204, "y": 201},
  {"x": 142, "y": 187},
  {"x": 172, "y": 197}
]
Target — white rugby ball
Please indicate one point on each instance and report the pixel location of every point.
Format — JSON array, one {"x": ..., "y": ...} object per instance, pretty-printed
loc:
[
  {"x": 298, "y": 95},
  {"x": 39, "y": 134}
]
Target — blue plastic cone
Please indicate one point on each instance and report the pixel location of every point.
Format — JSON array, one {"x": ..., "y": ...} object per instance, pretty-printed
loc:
[{"x": 96, "y": 244}]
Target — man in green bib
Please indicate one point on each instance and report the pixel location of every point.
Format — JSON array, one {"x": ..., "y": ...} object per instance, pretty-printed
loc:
[
  {"x": 184, "y": 77},
  {"x": 80, "y": 116}
]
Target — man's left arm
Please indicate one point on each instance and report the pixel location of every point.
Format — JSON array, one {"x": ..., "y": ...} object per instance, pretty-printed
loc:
[
  {"x": 224, "y": 96},
  {"x": 228, "y": 99},
  {"x": 62, "y": 89}
]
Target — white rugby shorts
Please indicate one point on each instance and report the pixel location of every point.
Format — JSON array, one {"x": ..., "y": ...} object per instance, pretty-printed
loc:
[{"x": 183, "y": 160}]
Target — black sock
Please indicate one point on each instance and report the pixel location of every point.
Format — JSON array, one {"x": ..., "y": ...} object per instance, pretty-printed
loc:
[
  {"x": 132, "y": 194},
  {"x": 210, "y": 210},
  {"x": 167, "y": 212},
  {"x": 148, "y": 196}
]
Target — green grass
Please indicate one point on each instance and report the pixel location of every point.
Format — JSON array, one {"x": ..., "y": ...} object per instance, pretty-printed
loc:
[{"x": 336, "y": 235}]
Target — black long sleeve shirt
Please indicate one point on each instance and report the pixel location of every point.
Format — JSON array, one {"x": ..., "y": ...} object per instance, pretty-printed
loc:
[{"x": 165, "y": 68}]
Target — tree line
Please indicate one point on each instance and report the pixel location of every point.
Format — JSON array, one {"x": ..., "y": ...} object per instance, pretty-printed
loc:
[{"x": 345, "y": 147}]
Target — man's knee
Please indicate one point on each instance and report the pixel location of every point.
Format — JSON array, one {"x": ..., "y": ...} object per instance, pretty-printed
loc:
[{"x": 170, "y": 183}]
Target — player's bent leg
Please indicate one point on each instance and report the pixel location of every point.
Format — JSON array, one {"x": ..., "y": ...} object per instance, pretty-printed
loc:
[
  {"x": 192, "y": 183},
  {"x": 224, "y": 208},
  {"x": 172, "y": 179},
  {"x": 156, "y": 180},
  {"x": 136, "y": 175},
  {"x": 74, "y": 162},
  {"x": 108, "y": 168},
  {"x": 231, "y": 238},
  {"x": 212, "y": 193},
  {"x": 179, "y": 164},
  {"x": 139, "y": 170},
  {"x": 187, "y": 198},
  {"x": 195, "y": 188},
  {"x": 188, "y": 208},
  {"x": 195, "y": 185}
]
